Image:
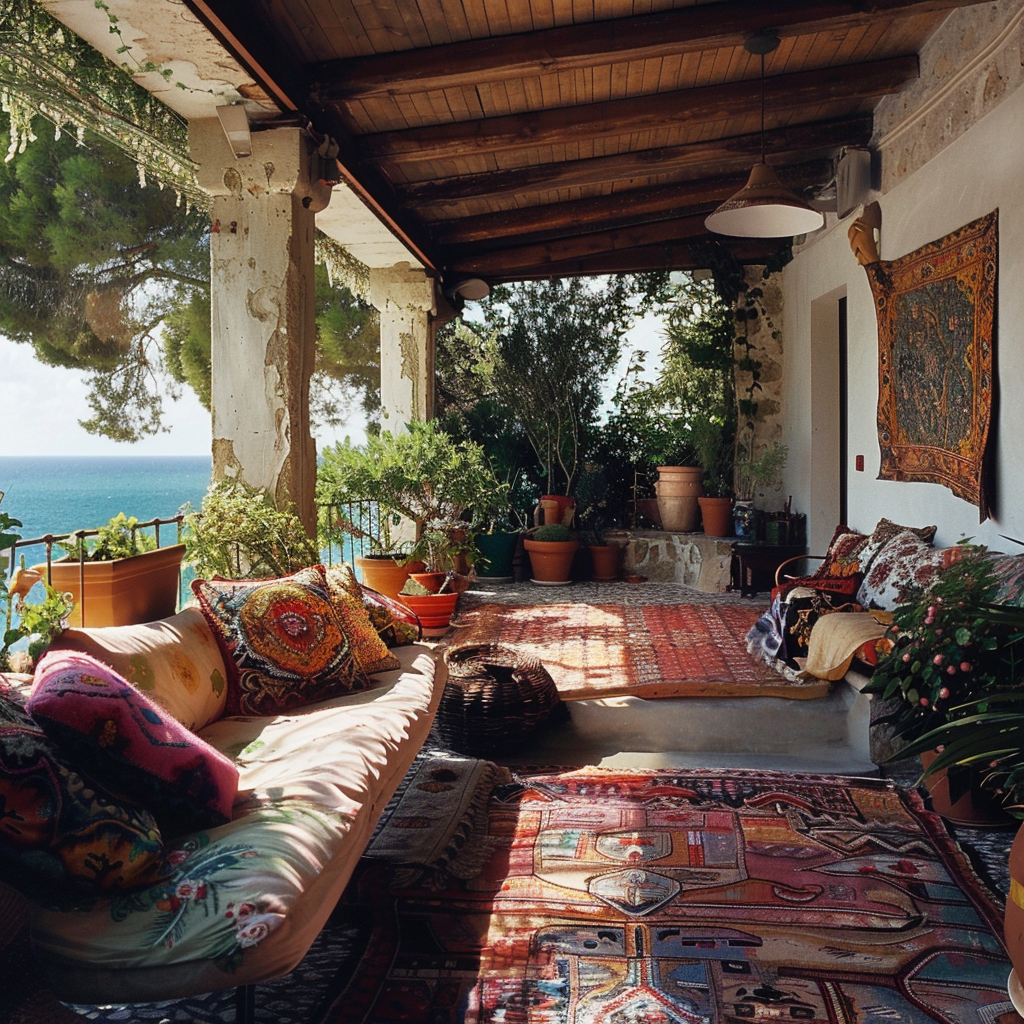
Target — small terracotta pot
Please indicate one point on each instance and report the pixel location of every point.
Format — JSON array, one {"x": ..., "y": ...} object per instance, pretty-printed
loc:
[
  {"x": 717, "y": 516},
  {"x": 432, "y": 581},
  {"x": 433, "y": 610},
  {"x": 551, "y": 560},
  {"x": 385, "y": 575},
  {"x": 605, "y": 558}
]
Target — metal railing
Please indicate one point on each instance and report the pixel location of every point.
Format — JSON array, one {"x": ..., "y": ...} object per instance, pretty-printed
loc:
[{"x": 347, "y": 542}]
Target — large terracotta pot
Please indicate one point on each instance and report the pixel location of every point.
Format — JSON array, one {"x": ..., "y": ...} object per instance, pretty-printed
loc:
[
  {"x": 717, "y": 516},
  {"x": 678, "y": 488},
  {"x": 976, "y": 807},
  {"x": 1013, "y": 922},
  {"x": 551, "y": 560},
  {"x": 605, "y": 559},
  {"x": 385, "y": 575},
  {"x": 122, "y": 592}
]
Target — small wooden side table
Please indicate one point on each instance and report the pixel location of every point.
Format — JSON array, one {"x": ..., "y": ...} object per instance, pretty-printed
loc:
[{"x": 754, "y": 565}]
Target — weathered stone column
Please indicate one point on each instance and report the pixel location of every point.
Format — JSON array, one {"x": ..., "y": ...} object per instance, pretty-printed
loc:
[
  {"x": 263, "y": 309},
  {"x": 404, "y": 296}
]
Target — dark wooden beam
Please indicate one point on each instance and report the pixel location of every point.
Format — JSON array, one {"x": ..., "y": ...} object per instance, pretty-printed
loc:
[
  {"x": 666, "y": 33},
  {"x": 627, "y": 261},
  {"x": 615, "y": 210},
  {"x": 813, "y": 139},
  {"x": 566, "y": 125}
]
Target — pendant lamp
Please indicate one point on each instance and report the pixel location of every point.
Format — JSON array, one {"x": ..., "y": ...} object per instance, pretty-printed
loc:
[{"x": 764, "y": 207}]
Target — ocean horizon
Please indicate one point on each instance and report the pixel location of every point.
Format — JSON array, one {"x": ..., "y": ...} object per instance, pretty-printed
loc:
[{"x": 59, "y": 494}]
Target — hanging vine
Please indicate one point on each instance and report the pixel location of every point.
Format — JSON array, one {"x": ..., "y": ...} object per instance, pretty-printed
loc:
[{"x": 49, "y": 71}]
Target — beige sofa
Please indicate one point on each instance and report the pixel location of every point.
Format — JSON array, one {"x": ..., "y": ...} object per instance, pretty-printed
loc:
[{"x": 247, "y": 898}]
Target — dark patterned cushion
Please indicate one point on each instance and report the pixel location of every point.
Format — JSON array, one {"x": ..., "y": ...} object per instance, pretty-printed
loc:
[
  {"x": 281, "y": 640},
  {"x": 396, "y": 623},
  {"x": 64, "y": 841},
  {"x": 843, "y": 555},
  {"x": 129, "y": 744},
  {"x": 884, "y": 532}
]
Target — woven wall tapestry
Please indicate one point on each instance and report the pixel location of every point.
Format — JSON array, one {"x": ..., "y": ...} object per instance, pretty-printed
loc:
[{"x": 936, "y": 349}]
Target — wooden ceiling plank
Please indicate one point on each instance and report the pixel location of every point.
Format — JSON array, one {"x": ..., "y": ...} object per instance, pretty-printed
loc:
[
  {"x": 689, "y": 29},
  {"x": 719, "y": 102},
  {"x": 498, "y": 229},
  {"x": 828, "y": 135}
]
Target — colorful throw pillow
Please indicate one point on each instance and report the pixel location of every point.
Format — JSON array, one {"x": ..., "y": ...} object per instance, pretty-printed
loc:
[
  {"x": 884, "y": 532},
  {"x": 396, "y": 623},
  {"x": 281, "y": 640},
  {"x": 368, "y": 649},
  {"x": 129, "y": 744},
  {"x": 843, "y": 555},
  {"x": 175, "y": 662},
  {"x": 1009, "y": 573},
  {"x": 64, "y": 841},
  {"x": 906, "y": 563}
]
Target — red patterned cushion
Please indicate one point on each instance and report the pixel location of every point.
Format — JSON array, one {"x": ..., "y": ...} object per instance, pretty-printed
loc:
[
  {"x": 843, "y": 555},
  {"x": 128, "y": 743},
  {"x": 281, "y": 640},
  {"x": 63, "y": 840}
]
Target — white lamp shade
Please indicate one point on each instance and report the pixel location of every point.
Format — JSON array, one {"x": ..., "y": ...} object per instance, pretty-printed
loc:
[{"x": 764, "y": 208}]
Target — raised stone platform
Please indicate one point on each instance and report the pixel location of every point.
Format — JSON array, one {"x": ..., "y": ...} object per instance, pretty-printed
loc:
[{"x": 693, "y": 559}]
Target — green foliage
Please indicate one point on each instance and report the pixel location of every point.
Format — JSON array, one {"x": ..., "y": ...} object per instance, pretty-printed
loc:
[
  {"x": 552, "y": 532},
  {"x": 238, "y": 533},
  {"x": 423, "y": 475},
  {"x": 120, "y": 537},
  {"x": 41, "y": 622},
  {"x": 951, "y": 648},
  {"x": 763, "y": 470}
]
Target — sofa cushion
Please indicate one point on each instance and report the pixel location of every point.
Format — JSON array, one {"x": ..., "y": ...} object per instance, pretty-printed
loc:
[
  {"x": 842, "y": 557},
  {"x": 884, "y": 531},
  {"x": 905, "y": 563},
  {"x": 63, "y": 840},
  {"x": 176, "y": 662},
  {"x": 1009, "y": 573},
  {"x": 129, "y": 744},
  {"x": 281, "y": 640},
  {"x": 368, "y": 648}
]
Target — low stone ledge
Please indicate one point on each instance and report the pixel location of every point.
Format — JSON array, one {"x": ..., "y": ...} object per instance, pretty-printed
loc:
[{"x": 693, "y": 559}]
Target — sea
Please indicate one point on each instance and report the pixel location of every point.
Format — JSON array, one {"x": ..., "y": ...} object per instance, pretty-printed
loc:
[{"x": 58, "y": 494}]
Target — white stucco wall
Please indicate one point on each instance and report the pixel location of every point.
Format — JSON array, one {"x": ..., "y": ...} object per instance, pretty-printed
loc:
[{"x": 980, "y": 171}]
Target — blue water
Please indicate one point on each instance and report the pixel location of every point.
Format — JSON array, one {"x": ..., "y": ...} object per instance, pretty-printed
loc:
[{"x": 55, "y": 494}]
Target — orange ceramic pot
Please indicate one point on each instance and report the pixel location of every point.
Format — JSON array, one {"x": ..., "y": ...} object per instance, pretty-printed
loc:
[
  {"x": 605, "y": 558},
  {"x": 717, "y": 516},
  {"x": 385, "y": 575},
  {"x": 551, "y": 560},
  {"x": 433, "y": 610}
]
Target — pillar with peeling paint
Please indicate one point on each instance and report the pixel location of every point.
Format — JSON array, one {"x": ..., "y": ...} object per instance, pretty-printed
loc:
[
  {"x": 263, "y": 309},
  {"x": 405, "y": 298}
]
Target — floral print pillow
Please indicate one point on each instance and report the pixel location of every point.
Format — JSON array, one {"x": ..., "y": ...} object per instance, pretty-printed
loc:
[{"x": 905, "y": 564}]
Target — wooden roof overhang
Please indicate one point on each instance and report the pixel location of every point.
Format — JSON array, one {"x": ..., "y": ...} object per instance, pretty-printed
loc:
[{"x": 516, "y": 139}]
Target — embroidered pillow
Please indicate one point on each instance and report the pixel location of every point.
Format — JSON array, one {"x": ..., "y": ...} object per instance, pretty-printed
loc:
[
  {"x": 175, "y": 662},
  {"x": 906, "y": 563},
  {"x": 884, "y": 532},
  {"x": 1009, "y": 573},
  {"x": 368, "y": 649},
  {"x": 129, "y": 744},
  {"x": 396, "y": 623},
  {"x": 63, "y": 840},
  {"x": 843, "y": 555},
  {"x": 281, "y": 640}
]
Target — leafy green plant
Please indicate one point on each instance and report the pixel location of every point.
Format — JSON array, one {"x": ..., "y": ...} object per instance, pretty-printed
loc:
[
  {"x": 239, "y": 533},
  {"x": 714, "y": 447},
  {"x": 422, "y": 475},
  {"x": 119, "y": 538},
  {"x": 592, "y": 503},
  {"x": 760, "y": 471},
  {"x": 552, "y": 532}
]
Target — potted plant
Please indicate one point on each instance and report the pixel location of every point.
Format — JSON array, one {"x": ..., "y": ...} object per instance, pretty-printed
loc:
[
  {"x": 955, "y": 656},
  {"x": 119, "y": 579},
  {"x": 715, "y": 453},
  {"x": 238, "y": 533},
  {"x": 497, "y": 523},
  {"x": 551, "y": 549},
  {"x": 754, "y": 474},
  {"x": 423, "y": 483}
]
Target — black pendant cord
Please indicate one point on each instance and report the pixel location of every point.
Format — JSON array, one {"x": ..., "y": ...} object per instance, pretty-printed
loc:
[{"x": 762, "y": 108}]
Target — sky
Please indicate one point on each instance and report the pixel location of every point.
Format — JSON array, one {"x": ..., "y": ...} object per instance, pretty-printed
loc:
[{"x": 41, "y": 405}]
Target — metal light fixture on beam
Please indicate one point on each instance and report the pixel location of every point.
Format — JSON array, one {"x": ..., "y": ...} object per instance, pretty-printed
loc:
[
  {"x": 764, "y": 207},
  {"x": 235, "y": 122}
]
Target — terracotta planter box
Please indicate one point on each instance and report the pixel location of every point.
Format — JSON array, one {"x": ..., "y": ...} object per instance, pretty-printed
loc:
[{"x": 124, "y": 592}]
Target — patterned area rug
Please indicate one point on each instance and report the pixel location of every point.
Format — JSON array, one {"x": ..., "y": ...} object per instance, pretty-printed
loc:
[
  {"x": 607, "y": 650},
  {"x": 689, "y": 896}
]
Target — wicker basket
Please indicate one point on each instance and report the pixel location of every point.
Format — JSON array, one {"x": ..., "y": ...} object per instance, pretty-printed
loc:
[{"x": 496, "y": 698}]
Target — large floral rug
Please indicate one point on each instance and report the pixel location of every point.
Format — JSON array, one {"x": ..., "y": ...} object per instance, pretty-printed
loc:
[
  {"x": 688, "y": 896},
  {"x": 606, "y": 650}
]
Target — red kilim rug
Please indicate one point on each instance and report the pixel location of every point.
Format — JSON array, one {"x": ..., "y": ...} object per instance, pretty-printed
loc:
[
  {"x": 599, "y": 650},
  {"x": 689, "y": 897}
]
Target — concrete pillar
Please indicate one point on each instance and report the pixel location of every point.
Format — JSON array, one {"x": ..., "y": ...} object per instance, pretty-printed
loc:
[
  {"x": 263, "y": 309},
  {"x": 405, "y": 298}
]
